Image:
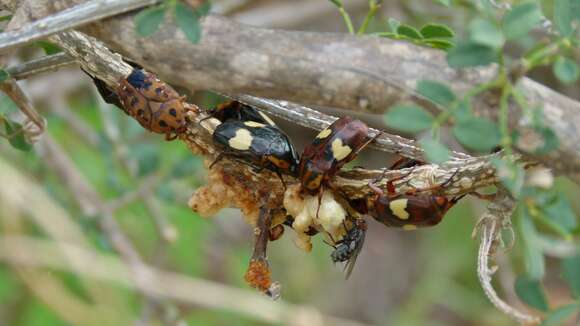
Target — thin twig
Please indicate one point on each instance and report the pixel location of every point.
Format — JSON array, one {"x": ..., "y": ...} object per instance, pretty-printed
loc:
[
  {"x": 79, "y": 15},
  {"x": 40, "y": 65},
  {"x": 490, "y": 225},
  {"x": 13, "y": 90}
]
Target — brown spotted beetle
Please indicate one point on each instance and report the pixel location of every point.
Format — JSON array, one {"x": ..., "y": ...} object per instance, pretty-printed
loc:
[
  {"x": 332, "y": 148},
  {"x": 154, "y": 104},
  {"x": 409, "y": 210},
  {"x": 348, "y": 248},
  {"x": 260, "y": 145}
]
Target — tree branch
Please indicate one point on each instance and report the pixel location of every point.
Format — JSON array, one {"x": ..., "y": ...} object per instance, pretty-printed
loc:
[
  {"x": 355, "y": 73},
  {"x": 81, "y": 14}
]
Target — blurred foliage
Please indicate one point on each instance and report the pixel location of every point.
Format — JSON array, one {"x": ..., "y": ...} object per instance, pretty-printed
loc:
[{"x": 425, "y": 277}]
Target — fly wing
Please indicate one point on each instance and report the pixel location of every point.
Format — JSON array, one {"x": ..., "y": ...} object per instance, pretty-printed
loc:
[{"x": 358, "y": 247}]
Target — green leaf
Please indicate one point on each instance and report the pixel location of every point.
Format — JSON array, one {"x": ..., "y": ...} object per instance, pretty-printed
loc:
[
  {"x": 533, "y": 253},
  {"x": 486, "y": 33},
  {"x": 561, "y": 213},
  {"x": 531, "y": 292},
  {"x": 551, "y": 141},
  {"x": 571, "y": 273},
  {"x": 436, "y": 92},
  {"x": 511, "y": 175},
  {"x": 203, "y": 9},
  {"x": 521, "y": 19},
  {"x": 409, "y": 31},
  {"x": 479, "y": 134},
  {"x": 48, "y": 47},
  {"x": 15, "y": 135},
  {"x": 188, "y": 21},
  {"x": 438, "y": 43},
  {"x": 445, "y": 3},
  {"x": 4, "y": 75},
  {"x": 563, "y": 16},
  {"x": 148, "y": 20},
  {"x": 463, "y": 110},
  {"x": 432, "y": 30},
  {"x": 566, "y": 70},
  {"x": 394, "y": 24},
  {"x": 435, "y": 152},
  {"x": 408, "y": 118},
  {"x": 560, "y": 315},
  {"x": 470, "y": 54},
  {"x": 337, "y": 3}
]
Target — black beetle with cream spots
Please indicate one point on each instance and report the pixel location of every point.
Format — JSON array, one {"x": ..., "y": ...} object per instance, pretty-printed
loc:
[
  {"x": 261, "y": 145},
  {"x": 234, "y": 110}
]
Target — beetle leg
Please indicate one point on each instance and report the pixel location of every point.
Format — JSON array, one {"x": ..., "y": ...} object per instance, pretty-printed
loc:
[
  {"x": 217, "y": 159},
  {"x": 281, "y": 179},
  {"x": 404, "y": 163},
  {"x": 390, "y": 184},
  {"x": 365, "y": 144},
  {"x": 483, "y": 196},
  {"x": 435, "y": 187},
  {"x": 320, "y": 193},
  {"x": 170, "y": 137}
]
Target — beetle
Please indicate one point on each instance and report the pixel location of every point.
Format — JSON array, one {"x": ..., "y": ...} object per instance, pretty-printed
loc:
[
  {"x": 409, "y": 210},
  {"x": 330, "y": 150},
  {"x": 348, "y": 248},
  {"x": 234, "y": 110},
  {"x": 154, "y": 104},
  {"x": 260, "y": 145}
]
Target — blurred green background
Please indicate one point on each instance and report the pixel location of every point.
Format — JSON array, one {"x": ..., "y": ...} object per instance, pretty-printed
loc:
[{"x": 425, "y": 277}]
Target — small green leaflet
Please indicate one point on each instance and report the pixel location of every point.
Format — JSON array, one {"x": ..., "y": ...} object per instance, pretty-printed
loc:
[
  {"x": 148, "y": 20},
  {"x": 521, "y": 19},
  {"x": 188, "y": 21},
  {"x": 533, "y": 254},
  {"x": 511, "y": 175},
  {"x": 566, "y": 70},
  {"x": 479, "y": 134},
  {"x": 560, "y": 212},
  {"x": 436, "y": 92},
  {"x": 409, "y": 31},
  {"x": 571, "y": 273},
  {"x": 435, "y": 152},
  {"x": 559, "y": 316},
  {"x": 433, "y": 30},
  {"x": 564, "y": 15},
  {"x": 531, "y": 292},
  {"x": 408, "y": 118},
  {"x": 486, "y": 33},
  {"x": 470, "y": 54},
  {"x": 445, "y": 3},
  {"x": 4, "y": 75},
  {"x": 16, "y": 135}
]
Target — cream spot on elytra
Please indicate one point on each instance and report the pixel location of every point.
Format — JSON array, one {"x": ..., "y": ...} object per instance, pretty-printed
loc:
[
  {"x": 398, "y": 207},
  {"x": 242, "y": 140}
]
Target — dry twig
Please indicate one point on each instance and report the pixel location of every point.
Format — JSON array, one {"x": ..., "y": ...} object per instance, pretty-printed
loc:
[{"x": 490, "y": 225}]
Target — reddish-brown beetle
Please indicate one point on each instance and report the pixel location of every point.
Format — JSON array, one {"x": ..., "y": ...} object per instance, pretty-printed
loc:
[
  {"x": 409, "y": 210},
  {"x": 332, "y": 148},
  {"x": 154, "y": 104}
]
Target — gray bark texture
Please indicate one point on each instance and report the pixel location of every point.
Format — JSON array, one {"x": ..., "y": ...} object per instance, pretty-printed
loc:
[{"x": 357, "y": 73}]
